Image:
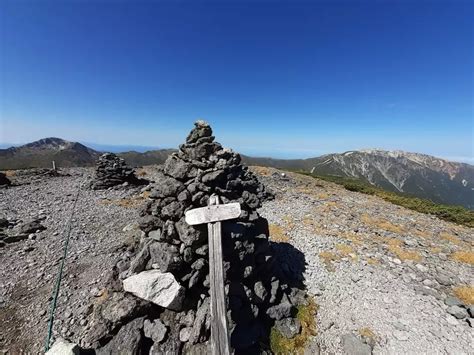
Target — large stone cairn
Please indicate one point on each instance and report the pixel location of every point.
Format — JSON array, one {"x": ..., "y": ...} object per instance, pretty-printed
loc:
[
  {"x": 169, "y": 271},
  {"x": 112, "y": 171}
]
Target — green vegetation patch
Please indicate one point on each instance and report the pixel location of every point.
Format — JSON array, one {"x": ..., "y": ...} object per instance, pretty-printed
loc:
[
  {"x": 279, "y": 344},
  {"x": 456, "y": 214}
]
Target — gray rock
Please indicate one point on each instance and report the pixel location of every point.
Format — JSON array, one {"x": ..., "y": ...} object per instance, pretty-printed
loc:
[
  {"x": 452, "y": 301},
  {"x": 352, "y": 345},
  {"x": 166, "y": 256},
  {"x": 140, "y": 260},
  {"x": 173, "y": 210},
  {"x": 157, "y": 287},
  {"x": 201, "y": 130},
  {"x": 188, "y": 234},
  {"x": 63, "y": 347},
  {"x": 127, "y": 340},
  {"x": 31, "y": 227},
  {"x": 176, "y": 168},
  {"x": 213, "y": 177},
  {"x": 185, "y": 334},
  {"x": 155, "y": 330},
  {"x": 166, "y": 186},
  {"x": 199, "y": 322},
  {"x": 289, "y": 327},
  {"x": 444, "y": 280},
  {"x": 458, "y": 312},
  {"x": 155, "y": 235},
  {"x": 281, "y": 310},
  {"x": 119, "y": 307}
]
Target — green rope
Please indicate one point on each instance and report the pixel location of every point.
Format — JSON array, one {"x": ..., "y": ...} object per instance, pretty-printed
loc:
[{"x": 60, "y": 275}]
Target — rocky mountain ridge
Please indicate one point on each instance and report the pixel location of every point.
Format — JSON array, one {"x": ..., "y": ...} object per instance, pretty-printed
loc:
[
  {"x": 420, "y": 175},
  {"x": 413, "y": 173}
]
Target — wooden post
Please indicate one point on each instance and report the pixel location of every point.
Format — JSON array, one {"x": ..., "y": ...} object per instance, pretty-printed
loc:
[
  {"x": 213, "y": 215},
  {"x": 54, "y": 165}
]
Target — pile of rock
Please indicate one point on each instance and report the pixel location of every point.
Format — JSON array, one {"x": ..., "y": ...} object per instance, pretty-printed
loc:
[
  {"x": 112, "y": 171},
  {"x": 166, "y": 305},
  {"x": 4, "y": 181}
]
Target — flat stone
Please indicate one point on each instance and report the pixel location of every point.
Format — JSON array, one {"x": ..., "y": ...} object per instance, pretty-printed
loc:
[
  {"x": 155, "y": 286},
  {"x": 458, "y": 312},
  {"x": 63, "y": 347},
  {"x": 352, "y": 345},
  {"x": 452, "y": 301}
]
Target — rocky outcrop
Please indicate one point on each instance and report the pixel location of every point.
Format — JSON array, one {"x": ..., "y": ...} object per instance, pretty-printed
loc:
[
  {"x": 170, "y": 266},
  {"x": 112, "y": 171}
]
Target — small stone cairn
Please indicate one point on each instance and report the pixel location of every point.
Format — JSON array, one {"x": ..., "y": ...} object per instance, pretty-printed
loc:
[
  {"x": 112, "y": 171},
  {"x": 159, "y": 295}
]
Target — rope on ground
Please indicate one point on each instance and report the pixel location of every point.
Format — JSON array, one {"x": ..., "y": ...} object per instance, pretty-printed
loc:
[{"x": 55, "y": 293}]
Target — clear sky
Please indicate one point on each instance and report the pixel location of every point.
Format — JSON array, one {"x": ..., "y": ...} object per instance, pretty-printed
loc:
[{"x": 274, "y": 78}]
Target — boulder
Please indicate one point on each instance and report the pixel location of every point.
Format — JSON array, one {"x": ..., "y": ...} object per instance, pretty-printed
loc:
[
  {"x": 127, "y": 341},
  {"x": 63, "y": 347},
  {"x": 155, "y": 286}
]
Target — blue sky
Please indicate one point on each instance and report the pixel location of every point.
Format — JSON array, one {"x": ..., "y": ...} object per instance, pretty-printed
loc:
[{"x": 274, "y": 78}]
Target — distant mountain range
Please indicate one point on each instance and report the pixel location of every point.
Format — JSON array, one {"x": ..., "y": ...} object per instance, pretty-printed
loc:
[{"x": 420, "y": 175}]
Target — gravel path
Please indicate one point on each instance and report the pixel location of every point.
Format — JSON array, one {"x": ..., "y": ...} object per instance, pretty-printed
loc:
[{"x": 379, "y": 272}]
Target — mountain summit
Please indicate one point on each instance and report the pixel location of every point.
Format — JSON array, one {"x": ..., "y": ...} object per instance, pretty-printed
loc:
[{"x": 42, "y": 152}]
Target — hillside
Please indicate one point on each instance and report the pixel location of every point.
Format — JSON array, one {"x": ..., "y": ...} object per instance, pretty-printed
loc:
[{"x": 41, "y": 153}]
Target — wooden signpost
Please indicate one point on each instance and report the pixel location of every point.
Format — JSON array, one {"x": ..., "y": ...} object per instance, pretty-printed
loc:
[{"x": 213, "y": 215}]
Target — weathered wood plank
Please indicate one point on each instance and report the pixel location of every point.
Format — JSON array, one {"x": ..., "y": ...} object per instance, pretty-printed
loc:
[
  {"x": 213, "y": 213},
  {"x": 219, "y": 335}
]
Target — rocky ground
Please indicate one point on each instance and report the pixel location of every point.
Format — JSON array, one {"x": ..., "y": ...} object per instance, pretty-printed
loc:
[
  {"x": 387, "y": 280},
  {"x": 29, "y": 267}
]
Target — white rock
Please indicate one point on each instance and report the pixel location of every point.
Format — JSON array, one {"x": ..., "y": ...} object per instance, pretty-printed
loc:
[
  {"x": 131, "y": 227},
  {"x": 157, "y": 287},
  {"x": 422, "y": 268},
  {"x": 62, "y": 347}
]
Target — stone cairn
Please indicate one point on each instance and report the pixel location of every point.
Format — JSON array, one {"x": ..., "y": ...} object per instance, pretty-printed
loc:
[
  {"x": 112, "y": 171},
  {"x": 4, "y": 181},
  {"x": 159, "y": 295}
]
